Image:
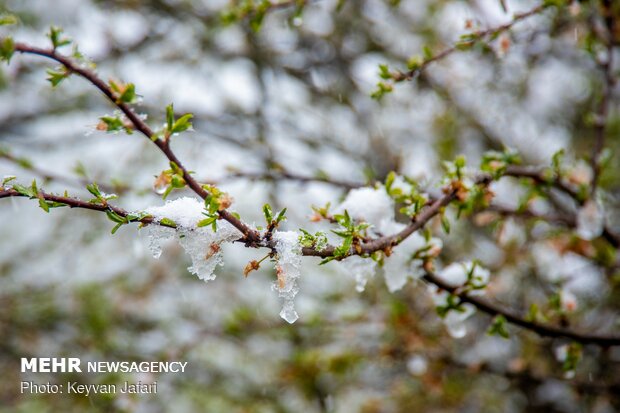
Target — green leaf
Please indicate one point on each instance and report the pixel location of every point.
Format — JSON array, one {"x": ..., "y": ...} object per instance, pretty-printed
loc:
[
  {"x": 55, "y": 76},
  {"x": 268, "y": 212},
  {"x": 115, "y": 124},
  {"x": 499, "y": 327},
  {"x": 389, "y": 181},
  {"x": 8, "y": 179},
  {"x": 384, "y": 72},
  {"x": 281, "y": 216},
  {"x": 7, "y": 48},
  {"x": 532, "y": 314},
  {"x": 168, "y": 222},
  {"x": 182, "y": 124},
  {"x": 414, "y": 63},
  {"x": 169, "y": 116},
  {"x": 382, "y": 89},
  {"x": 206, "y": 222},
  {"x": 55, "y": 35},
  {"x": 94, "y": 190},
  {"x": 428, "y": 53},
  {"x": 23, "y": 190},
  {"x": 445, "y": 224},
  {"x": 114, "y": 217},
  {"x": 7, "y": 19},
  {"x": 556, "y": 161},
  {"x": 129, "y": 94},
  {"x": 44, "y": 205},
  {"x": 326, "y": 260},
  {"x": 573, "y": 356},
  {"x": 116, "y": 227}
]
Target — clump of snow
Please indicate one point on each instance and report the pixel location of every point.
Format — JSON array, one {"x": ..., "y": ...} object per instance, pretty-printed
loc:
[
  {"x": 201, "y": 244},
  {"x": 372, "y": 205},
  {"x": 203, "y": 247},
  {"x": 185, "y": 212},
  {"x": 590, "y": 220},
  {"x": 362, "y": 269},
  {"x": 288, "y": 268},
  {"x": 454, "y": 319},
  {"x": 403, "y": 263},
  {"x": 457, "y": 274}
]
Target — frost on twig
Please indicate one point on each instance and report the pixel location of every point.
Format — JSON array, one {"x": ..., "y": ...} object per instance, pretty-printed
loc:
[
  {"x": 288, "y": 268},
  {"x": 202, "y": 244}
]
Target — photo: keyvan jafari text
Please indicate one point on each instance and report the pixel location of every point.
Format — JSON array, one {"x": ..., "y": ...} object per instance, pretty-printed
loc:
[{"x": 73, "y": 387}]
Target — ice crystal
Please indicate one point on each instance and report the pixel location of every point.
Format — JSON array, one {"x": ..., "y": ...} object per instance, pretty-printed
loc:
[
  {"x": 362, "y": 269},
  {"x": 201, "y": 244},
  {"x": 288, "y": 268},
  {"x": 157, "y": 235}
]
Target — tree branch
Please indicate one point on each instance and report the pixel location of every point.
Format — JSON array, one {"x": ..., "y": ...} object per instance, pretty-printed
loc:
[
  {"x": 78, "y": 203},
  {"x": 476, "y": 36},
  {"x": 51, "y": 176},
  {"x": 540, "y": 329},
  {"x": 252, "y": 236},
  {"x": 538, "y": 176}
]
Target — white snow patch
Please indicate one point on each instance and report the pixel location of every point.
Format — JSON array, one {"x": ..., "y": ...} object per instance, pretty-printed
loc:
[
  {"x": 456, "y": 274},
  {"x": 372, "y": 205},
  {"x": 185, "y": 212},
  {"x": 201, "y": 244},
  {"x": 400, "y": 265}
]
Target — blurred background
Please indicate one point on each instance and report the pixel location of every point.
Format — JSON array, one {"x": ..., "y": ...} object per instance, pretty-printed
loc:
[{"x": 287, "y": 101}]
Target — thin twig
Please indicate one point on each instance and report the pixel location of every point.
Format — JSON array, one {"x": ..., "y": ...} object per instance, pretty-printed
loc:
[
  {"x": 540, "y": 329},
  {"x": 51, "y": 176},
  {"x": 78, "y": 203},
  {"x": 537, "y": 174},
  {"x": 479, "y": 35}
]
